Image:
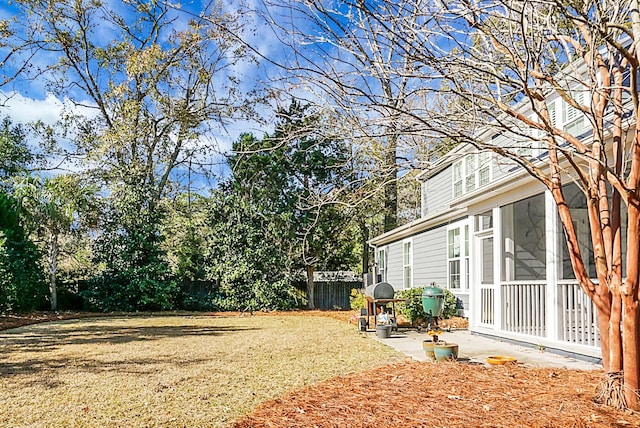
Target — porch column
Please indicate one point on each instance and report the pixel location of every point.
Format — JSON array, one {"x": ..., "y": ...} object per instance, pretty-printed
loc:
[
  {"x": 497, "y": 268},
  {"x": 552, "y": 234}
]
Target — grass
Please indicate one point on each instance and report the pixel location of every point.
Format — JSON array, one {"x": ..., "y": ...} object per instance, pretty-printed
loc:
[{"x": 196, "y": 371}]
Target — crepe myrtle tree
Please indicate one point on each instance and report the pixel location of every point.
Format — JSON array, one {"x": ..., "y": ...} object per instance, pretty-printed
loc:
[{"x": 498, "y": 68}]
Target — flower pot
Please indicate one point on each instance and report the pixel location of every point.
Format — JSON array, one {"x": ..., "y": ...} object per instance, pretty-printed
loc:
[
  {"x": 383, "y": 331},
  {"x": 445, "y": 351},
  {"x": 427, "y": 345}
]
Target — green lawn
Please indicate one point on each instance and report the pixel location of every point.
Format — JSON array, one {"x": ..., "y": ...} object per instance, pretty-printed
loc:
[{"x": 167, "y": 371}]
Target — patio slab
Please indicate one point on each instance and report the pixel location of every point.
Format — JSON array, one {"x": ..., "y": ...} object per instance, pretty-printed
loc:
[{"x": 476, "y": 348}]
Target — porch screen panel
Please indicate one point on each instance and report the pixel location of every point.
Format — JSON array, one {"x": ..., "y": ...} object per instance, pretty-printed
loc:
[
  {"x": 486, "y": 288},
  {"x": 529, "y": 239},
  {"x": 487, "y": 261},
  {"x": 523, "y": 288}
]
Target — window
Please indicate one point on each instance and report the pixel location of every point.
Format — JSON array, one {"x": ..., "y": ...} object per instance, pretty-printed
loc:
[
  {"x": 382, "y": 271},
  {"x": 457, "y": 179},
  {"x": 454, "y": 258},
  {"x": 551, "y": 107},
  {"x": 577, "y": 203},
  {"x": 573, "y": 118},
  {"x": 484, "y": 168},
  {"x": 458, "y": 257},
  {"x": 471, "y": 173},
  {"x": 406, "y": 258},
  {"x": 484, "y": 221}
]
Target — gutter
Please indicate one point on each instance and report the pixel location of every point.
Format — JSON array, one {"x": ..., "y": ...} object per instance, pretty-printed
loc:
[{"x": 417, "y": 226}]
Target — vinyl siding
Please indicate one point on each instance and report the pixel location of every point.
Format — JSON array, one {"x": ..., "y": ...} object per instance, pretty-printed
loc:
[
  {"x": 438, "y": 192},
  {"x": 394, "y": 269},
  {"x": 430, "y": 258}
]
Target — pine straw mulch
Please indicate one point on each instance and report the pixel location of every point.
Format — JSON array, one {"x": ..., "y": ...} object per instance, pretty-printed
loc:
[{"x": 415, "y": 394}]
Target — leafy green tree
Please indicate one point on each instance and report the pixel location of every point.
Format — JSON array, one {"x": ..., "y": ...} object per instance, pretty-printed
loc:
[
  {"x": 54, "y": 207},
  {"x": 135, "y": 275},
  {"x": 185, "y": 229},
  {"x": 246, "y": 255},
  {"x": 15, "y": 155},
  {"x": 22, "y": 283},
  {"x": 285, "y": 179},
  {"x": 145, "y": 92}
]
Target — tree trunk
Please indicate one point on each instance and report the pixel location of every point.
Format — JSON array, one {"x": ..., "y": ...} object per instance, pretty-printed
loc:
[
  {"x": 53, "y": 267},
  {"x": 391, "y": 186},
  {"x": 365, "y": 247},
  {"x": 310, "y": 287}
]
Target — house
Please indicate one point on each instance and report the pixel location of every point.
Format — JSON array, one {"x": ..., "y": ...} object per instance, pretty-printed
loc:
[{"x": 490, "y": 233}]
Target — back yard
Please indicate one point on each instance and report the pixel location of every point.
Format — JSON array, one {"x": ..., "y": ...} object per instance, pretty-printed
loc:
[
  {"x": 168, "y": 370},
  {"x": 280, "y": 370}
]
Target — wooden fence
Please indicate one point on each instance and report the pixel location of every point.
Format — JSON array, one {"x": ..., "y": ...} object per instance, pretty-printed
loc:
[{"x": 334, "y": 294}]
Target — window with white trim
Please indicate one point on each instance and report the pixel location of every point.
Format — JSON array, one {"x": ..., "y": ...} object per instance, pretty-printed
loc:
[
  {"x": 470, "y": 173},
  {"x": 458, "y": 257},
  {"x": 407, "y": 259},
  {"x": 382, "y": 264},
  {"x": 457, "y": 179},
  {"x": 573, "y": 118}
]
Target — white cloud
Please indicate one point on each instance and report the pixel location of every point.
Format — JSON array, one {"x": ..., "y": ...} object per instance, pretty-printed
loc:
[{"x": 24, "y": 109}]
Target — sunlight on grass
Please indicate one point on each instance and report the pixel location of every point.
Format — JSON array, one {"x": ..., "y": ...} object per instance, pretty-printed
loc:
[{"x": 169, "y": 370}]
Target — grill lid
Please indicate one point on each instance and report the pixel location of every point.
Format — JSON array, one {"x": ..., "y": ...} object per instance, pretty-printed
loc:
[{"x": 381, "y": 290}]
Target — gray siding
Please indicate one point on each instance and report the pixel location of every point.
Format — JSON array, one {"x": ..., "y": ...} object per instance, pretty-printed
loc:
[
  {"x": 501, "y": 167},
  {"x": 394, "y": 269},
  {"x": 438, "y": 192},
  {"x": 430, "y": 257}
]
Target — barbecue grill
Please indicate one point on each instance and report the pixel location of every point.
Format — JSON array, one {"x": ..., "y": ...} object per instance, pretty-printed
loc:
[{"x": 378, "y": 297}]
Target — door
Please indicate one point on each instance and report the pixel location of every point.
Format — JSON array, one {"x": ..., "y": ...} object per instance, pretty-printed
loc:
[{"x": 486, "y": 274}]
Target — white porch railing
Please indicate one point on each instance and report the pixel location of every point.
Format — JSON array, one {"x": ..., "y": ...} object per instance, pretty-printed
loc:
[
  {"x": 577, "y": 320},
  {"x": 487, "y": 305},
  {"x": 524, "y": 308}
]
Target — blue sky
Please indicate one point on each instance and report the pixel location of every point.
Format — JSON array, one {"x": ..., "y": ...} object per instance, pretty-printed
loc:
[{"x": 29, "y": 100}]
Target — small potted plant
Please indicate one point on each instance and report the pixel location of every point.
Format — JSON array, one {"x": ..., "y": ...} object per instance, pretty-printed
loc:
[{"x": 442, "y": 350}]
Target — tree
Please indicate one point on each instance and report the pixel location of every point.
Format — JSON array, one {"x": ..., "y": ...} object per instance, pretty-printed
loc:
[
  {"x": 367, "y": 77},
  {"x": 15, "y": 155},
  {"x": 285, "y": 178},
  {"x": 146, "y": 82},
  {"x": 481, "y": 65},
  {"x": 134, "y": 271},
  {"x": 315, "y": 165},
  {"x": 22, "y": 284},
  {"x": 145, "y": 91},
  {"x": 55, "y": 207},
  {"x": 247, "y": 254}
]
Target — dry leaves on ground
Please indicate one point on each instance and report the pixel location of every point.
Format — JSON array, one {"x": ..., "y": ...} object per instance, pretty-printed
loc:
[{"x": 413, "y": 394}]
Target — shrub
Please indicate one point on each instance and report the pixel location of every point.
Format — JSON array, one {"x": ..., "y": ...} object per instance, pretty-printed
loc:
[
  {"x": 412, "y": 307},
  {"x": 357, "y": 299}
]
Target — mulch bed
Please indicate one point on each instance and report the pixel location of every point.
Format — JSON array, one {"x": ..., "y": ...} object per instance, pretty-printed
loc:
[{"x": 414, "y": 394}]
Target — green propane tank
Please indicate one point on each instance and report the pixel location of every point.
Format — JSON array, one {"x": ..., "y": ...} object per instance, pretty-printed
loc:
[{"x": 433, "y": 300}]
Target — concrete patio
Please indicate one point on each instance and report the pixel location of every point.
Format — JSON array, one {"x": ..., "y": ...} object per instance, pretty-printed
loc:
[{"x": 476, "y": 348}]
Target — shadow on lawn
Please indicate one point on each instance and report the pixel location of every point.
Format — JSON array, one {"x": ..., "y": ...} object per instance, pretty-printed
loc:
[{"x": 45, "y": 337}]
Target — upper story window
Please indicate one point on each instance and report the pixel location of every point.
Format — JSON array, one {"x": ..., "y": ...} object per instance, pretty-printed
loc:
[
  {"x": 565, "y": 116},
  {"x": 573, "y": 118},
  {"x": 470, "y": 173}
]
